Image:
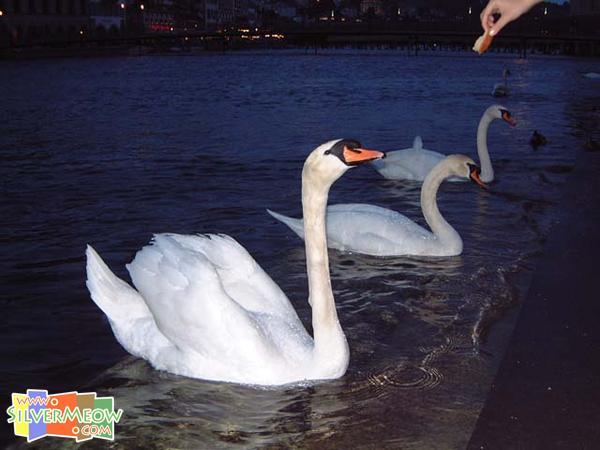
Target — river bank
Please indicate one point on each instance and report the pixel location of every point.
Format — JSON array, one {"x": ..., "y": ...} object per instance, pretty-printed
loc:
[{"x": 547, "y": 391}]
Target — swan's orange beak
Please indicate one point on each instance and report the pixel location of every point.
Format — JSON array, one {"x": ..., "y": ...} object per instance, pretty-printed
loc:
[
  {"x": 355, "y": 156},
  {"x": 508, "y": 118},
  {"x": 474, "y": 176}
]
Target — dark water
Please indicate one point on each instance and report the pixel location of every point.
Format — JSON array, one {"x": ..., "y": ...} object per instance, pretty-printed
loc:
[{"x": 110, "y": 151}]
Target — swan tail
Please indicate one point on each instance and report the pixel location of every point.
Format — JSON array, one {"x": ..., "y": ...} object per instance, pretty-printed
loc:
[
  {"x": 119, "y": 301},
  {"x": 130, "y": 319},
  {"x": 418, "y": 143},
  {"x": 296, "y": 225}
]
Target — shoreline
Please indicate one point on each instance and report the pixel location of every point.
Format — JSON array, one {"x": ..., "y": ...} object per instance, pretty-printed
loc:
[
  {"x": 546, "y": 393},
  {"x": 112, "y": 52},
  {"x": 413, "y": 43}
]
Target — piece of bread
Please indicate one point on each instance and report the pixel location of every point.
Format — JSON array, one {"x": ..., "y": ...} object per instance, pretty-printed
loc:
[{"x": 483, "y": 42}]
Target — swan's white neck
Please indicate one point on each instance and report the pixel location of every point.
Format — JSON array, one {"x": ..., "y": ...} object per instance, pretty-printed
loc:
[
  {"x": 447, "y": 236},
  {"x": 331, "y": 353},
  {"x": 485, "y": 162}
]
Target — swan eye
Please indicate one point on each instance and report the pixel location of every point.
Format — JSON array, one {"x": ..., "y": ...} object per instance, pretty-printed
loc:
[{"x": 327, "y": 152}]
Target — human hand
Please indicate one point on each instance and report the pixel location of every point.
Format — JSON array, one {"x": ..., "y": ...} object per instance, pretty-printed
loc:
[{"x": 509, "y": 10}]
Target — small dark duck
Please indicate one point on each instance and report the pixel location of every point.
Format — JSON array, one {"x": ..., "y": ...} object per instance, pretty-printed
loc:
[{"x": 537, "y": 139}]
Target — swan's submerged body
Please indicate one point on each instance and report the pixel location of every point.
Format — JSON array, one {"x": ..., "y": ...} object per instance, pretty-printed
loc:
[
  {"x": 416, "y": 162},
  {"x": 378, "y": 231},
  {"x": 204, "y": 308}
]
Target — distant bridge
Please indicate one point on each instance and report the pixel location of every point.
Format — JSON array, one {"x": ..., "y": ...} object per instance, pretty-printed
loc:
[
  {"x": 417, "y": 40},
  {"x": 314, "y": 40}
]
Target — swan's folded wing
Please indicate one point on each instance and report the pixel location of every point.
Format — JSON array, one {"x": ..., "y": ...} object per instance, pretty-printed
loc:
[
  {"x": 364, "y": 208},
  {"x": 373, "y": 219},
  {"x": 409, "y": 163},
  {"x": 241, "y": 276},
  {"x": 190, "y": 306},
  {"x": 187, "y": 296},
  {"x": 371, "y": 229}
]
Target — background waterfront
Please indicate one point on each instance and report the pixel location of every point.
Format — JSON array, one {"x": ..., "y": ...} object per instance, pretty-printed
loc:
[{"x": 109, "y": 151}]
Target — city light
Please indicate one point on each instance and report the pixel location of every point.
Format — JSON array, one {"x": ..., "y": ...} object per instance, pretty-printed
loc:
[
  {"x": 142, "y": 6},
  {"x": 470, "y": 10},
  {"x": 81, "y": 32},
  {"x": 545, "y": 11},
  {"x": 1, "y": 13},
  {"x": 122, "y": 5}
]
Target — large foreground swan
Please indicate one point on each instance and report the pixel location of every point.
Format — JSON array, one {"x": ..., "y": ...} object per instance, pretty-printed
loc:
[
  {"x": 416, "y": 162},
  {"x": 373, "y": 230},
  {"x": 204, "y": 308}
]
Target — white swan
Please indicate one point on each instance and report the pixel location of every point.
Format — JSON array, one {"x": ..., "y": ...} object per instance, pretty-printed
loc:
[
  {"x": 204, "y": 308},
  {"x": 415, "y": 163},
  {"x": 373, "y": 230}
]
